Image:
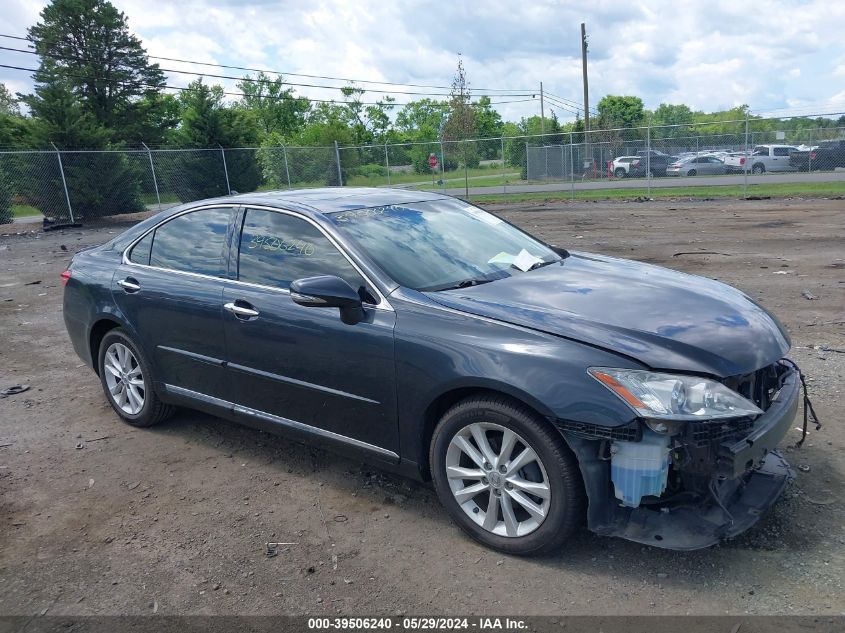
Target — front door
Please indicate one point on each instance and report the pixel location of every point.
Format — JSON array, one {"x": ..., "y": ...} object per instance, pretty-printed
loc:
[
  {"x": 303, "y": 364},
  {"x": 171, "y": 290}
]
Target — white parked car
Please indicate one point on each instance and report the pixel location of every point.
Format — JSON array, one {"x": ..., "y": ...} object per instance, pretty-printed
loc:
[{"x": 622, "y": 165}]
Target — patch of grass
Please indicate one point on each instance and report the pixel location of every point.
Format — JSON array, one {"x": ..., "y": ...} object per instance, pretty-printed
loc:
[
  {"x": 774, "y": 190},
  {"x": 453, "y": 178},
  {"x": 24, "y": 210}
]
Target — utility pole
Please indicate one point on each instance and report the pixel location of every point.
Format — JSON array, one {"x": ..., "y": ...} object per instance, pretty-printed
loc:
[
  {"x": 542, "y": 112},
  {"x": 584, "y": 70},
  {"x": 587, "y": 151}
]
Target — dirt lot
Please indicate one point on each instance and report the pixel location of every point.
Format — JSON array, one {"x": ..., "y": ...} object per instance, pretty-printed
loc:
[{"x": 99, "y": 518}]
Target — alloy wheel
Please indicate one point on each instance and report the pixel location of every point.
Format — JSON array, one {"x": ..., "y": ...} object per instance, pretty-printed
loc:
[
  {"x": 124, "y": 379},
  {"x": 498, "y": 480}
]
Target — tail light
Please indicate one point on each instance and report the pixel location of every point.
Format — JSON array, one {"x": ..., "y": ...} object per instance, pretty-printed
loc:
[
  {"x": 65, "y": 277},
  {"x": 742, "y": 160},
  {"x": 812, "y": 156}
]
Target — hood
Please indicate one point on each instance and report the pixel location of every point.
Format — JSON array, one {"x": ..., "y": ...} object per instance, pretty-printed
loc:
[{"x": 664, "y": 319}]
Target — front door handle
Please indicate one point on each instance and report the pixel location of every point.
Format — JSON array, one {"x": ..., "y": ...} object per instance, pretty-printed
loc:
[
  {"x": 240, "y": 310},
  {"x": 130, "y": 284}
]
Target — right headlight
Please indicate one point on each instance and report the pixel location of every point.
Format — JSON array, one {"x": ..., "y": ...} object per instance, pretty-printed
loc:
[{"x": 674, "y": 396}]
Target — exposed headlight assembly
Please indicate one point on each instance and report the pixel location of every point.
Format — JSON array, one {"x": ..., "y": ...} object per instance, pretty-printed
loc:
[{"x": 674, "y": 397}]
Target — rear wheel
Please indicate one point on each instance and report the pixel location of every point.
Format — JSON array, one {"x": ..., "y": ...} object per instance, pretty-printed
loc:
[
  {"x": 692, "y": 172},
  {"x": 505, "y": 478},
  {"x": 127, "y": 381},
  {"x": 759, "y": 168}
]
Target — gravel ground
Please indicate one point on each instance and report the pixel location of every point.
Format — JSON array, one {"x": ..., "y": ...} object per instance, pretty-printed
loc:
[{"x": 99, "y": 518}]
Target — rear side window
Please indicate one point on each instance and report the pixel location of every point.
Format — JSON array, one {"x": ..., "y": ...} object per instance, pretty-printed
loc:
[
  {"x": 781, "y": 151},
  {"x": 141, "y": 251},
  {"x": 277, "y": 248},
  {"x": 192, "y": 243}
]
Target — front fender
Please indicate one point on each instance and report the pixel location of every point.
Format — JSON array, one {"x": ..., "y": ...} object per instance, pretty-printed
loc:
[{"x": 439, "y": 350}]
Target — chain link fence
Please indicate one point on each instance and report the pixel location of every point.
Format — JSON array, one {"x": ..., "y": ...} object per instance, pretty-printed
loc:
[{"x": 83, "y": 186}]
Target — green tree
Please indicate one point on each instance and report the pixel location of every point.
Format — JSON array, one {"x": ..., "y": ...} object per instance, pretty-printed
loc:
[
  {"x": 207, "y": 124},
  {"x": 488, "y": 124},
  {"x": 275, "y": 108},
  {"x": 8, "y": 102},
  {"x": 422, "y": 120},
  {"x": 86, "y": 46},
  {"x": 461, "y": 122},
  {"x": 618, "y": 111}
]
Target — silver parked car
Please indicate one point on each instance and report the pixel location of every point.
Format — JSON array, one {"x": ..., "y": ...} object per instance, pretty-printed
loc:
[{"x": 697, "y": 166}]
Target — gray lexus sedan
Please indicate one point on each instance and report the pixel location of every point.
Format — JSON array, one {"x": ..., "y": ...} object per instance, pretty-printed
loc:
[{"x": 540, "y": 389}]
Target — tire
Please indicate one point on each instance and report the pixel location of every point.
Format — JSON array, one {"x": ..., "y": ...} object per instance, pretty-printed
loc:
[
  {"x": 554, "y": 474},
  {"x": 127, "y": 381},
  {"x": 620, "y": 172},
  {"x": 759, "y": 168},
  {"x": 692, "y": 172}
]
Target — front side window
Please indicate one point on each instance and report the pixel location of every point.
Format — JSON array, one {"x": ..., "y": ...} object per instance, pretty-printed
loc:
[
  {"x": 194, "y": 242},
  {"x": 277, "y": 248},
  {"x": 441, "y": 244}
]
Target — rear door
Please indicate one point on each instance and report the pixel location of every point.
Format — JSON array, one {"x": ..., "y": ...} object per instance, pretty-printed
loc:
[
  {"x": 290, "y": 363},
  {"x": 170, "y": 288},
  {"x": 780, "y": 159}
]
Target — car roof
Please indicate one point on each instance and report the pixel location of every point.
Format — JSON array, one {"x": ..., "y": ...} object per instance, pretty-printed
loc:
[
  {"x": 313, "y": 203},
  {"x": 330, "y": 199}
]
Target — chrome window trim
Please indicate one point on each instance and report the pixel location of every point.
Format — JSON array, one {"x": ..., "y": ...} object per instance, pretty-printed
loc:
[
  {"x": 283, "y": 422},
  {"x": 383, "y": 303}
]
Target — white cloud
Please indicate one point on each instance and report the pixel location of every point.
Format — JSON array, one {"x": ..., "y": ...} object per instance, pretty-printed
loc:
[{"x": 708, "y": 55}]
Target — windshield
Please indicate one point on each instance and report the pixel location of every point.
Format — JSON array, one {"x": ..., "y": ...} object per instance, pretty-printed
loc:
[{"x": 441, "y": 244}]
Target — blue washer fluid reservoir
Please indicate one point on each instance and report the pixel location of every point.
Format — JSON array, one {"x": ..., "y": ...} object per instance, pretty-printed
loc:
[{"x": 639, "y": 469}]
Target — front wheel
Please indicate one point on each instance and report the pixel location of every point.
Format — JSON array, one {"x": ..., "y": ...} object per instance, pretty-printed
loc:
[
  {"x": 127, "y": 381},
  {"x": 505, "y": 478},
  {"x": 620, "y": 172}
]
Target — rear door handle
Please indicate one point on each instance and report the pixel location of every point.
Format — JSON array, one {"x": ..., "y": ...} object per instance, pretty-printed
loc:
[
  {"x": 241, "y": 311},
  {"x": 129, "y": 284}
]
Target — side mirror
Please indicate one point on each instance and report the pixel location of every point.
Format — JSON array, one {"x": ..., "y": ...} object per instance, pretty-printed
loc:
[{"x": 328, "y": 291}]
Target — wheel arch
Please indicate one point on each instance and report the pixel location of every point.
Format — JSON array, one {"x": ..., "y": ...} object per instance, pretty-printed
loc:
[
  {"x": 102, "y": 324},
  {"x": 456, "y": 393}
]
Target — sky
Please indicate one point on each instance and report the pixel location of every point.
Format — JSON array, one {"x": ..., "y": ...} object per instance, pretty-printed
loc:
[{"x": 779, "y": 57}]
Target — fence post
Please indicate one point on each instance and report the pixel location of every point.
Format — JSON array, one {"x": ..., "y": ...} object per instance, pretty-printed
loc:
[
  {"x": 571, "y": 165},
  {"x": 387, "y": 163},
  {"x": 527, "y": 174},
  {"x": 153, "y": 172},
  {"x": 64, "y": 182},
  {"x": 287, "y": 169},
  {"x": 225, "y": 169},
  {"x": 339, "y": 170},
  {"x": 442, "y": 165},
  {"x": 810, "y": 152},
  {"x": 504, "y": 169},
  {"x": 648, "y": 157},
  {"x": 747, "y": 160}
]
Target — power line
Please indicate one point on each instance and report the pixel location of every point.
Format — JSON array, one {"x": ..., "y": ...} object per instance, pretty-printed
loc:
[
  {"x": 579, "y": 106},
  {"x": 278, "y": 72},
  {"x": 562, "y": 106},
  {"x": 239, "y": 94},
  {"x": 252, "y": 79}
]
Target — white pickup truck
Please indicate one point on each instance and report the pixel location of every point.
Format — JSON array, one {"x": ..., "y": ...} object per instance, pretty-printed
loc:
[{"x": 762, "y": 159}]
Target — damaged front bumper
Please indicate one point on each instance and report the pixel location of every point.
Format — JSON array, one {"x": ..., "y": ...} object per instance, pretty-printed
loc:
[{"x": 746, "y": 476}]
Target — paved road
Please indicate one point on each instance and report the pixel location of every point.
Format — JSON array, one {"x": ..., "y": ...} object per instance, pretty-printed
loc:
[{"x": 658, "y": 183}]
